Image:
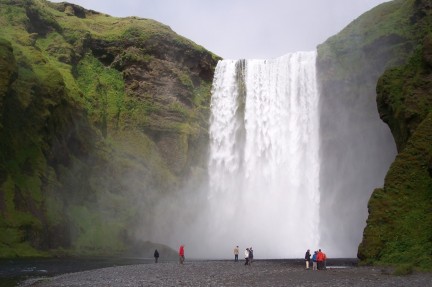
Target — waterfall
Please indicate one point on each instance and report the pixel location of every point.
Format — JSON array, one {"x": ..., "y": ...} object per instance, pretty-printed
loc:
[{"x": 264, "y": 157}]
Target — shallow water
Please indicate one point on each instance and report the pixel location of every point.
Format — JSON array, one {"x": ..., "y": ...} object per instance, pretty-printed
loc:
[{"x": 12, "y": 271}]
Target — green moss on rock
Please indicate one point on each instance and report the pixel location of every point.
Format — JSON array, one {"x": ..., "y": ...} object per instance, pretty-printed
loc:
[
  {"x": 97, "y": 118},
  {"x": 399, "y": 226}
]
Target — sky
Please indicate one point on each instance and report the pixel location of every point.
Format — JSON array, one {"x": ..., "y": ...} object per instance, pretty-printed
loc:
[{"x": 250, "y": 29}]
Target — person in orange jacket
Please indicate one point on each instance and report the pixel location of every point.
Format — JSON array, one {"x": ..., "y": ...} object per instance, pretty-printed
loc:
[
  {"x": 320, "y": 259},
  {"x": 181, "y": 254}
]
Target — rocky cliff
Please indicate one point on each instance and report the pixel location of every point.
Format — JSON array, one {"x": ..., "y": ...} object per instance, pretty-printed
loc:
[
  {"x": 388, "y": 45},
  {"x": 357, "y": 147},
  {"x": 399, "y": 227},
  {"x": 99, "y": 116}
]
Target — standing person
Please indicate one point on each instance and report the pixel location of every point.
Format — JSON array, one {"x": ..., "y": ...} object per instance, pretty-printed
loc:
[
  {"x": 156, "y": 255},
  {"x": 324, "y": 261},
  {"x": 236, "y": 253},
  {"x": 320, "y": 259},
  {"x": 250, "y": 256},
  {"x": 307, "y": 258},
  {"x": 314, "y": 261},
  {"x": 247, "y": 256},
  {"x": 181, "y": 254}
]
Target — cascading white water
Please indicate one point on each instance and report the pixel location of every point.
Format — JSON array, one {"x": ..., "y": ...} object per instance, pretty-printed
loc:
[{"x": 264, "y": 157}]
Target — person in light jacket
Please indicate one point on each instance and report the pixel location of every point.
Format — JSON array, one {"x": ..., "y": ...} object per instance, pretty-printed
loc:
[
  {"x": 247, "y": 256},
  {"x": 236, "y": 253}
]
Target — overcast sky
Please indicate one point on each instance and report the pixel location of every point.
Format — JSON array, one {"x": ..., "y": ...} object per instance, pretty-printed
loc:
[{"x": 235, "y": 29}]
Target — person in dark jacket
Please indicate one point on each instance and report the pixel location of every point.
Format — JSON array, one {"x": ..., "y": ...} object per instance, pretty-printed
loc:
[
  {"x": 307, "y": 258},
  {"x": 156, "y": 255}
]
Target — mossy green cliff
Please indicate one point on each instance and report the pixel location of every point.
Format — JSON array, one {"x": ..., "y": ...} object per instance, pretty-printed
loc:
[
  {"x": 390, "y": 43},
  {"x": 357, "y": 147},
  {"x": 399, "y": 227},
  {"x": 99, "y": 116},
  {"x": 382, "y": 58}
]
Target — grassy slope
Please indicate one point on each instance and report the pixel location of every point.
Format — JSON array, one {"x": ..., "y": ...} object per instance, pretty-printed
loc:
[{"x": 75, "y": 158}]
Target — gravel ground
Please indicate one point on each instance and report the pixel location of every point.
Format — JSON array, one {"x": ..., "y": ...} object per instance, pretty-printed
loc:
[{"x": 226, "y": 273}]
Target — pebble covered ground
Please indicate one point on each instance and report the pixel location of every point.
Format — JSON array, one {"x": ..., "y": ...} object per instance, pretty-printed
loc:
[{"x": 228, "y": 273}]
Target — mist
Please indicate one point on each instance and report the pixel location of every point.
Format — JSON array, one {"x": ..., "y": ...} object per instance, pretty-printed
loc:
[
  {"x": 263, "y": 165},
  {"x": 275, "y": 180},
  {"x": 292, "y": 162},
  {"x": 357, "y": 149}
]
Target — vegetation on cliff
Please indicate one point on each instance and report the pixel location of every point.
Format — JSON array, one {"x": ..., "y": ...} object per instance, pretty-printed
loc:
[
  {"x": 357, "y": 148},
  {"x": 98, "y": 117},
  {"x": 389, "y": 45},
  {"x": 399, "y": 229}
]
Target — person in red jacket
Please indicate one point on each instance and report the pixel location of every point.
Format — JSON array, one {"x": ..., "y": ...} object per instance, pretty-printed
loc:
[
  {"x": 320, "y": 259},
  {"x": 181, "y": 254}
]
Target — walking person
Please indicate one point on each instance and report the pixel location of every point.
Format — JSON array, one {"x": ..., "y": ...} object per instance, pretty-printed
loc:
[
  {"x": 251, "y": 255},
  {"x": 247, "y": 256},
  {"x": 181, "y": 254},
  {"x": 156, "y": 256},
  {"x": 236, "y": 253},
  {"x": 307, "y": 258},
  {"x": 314, "y": 261}
]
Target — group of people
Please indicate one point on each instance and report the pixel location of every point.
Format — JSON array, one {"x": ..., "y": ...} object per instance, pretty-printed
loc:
[
  {"x": 248, "y": 255},
  {"x": 319, "y": 260}
]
